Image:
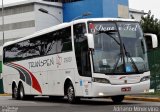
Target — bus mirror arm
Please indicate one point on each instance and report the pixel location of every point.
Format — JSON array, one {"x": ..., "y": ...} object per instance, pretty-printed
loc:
[{"x": 90, "y": 40}]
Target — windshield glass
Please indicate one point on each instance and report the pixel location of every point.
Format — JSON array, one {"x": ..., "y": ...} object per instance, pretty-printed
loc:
[{"x": 119, "y": 48}]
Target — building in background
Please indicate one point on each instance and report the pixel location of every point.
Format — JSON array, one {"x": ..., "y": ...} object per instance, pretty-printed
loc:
[
  {"x": 62, "y": 1},
  {"x": 23, "y": 18},
  {"x": 136, "y": 14},
  {"x": 98, "y": 8}
]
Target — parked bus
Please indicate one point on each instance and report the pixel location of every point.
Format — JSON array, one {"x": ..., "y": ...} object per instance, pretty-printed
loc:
[{"x": 85, "y": 58}]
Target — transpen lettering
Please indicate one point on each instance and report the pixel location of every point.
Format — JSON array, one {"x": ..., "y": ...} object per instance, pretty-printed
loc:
[{"x": 41, "y": 63}]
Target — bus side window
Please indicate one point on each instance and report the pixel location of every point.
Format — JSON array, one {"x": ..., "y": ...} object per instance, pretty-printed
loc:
[
  {"x": 64, "y": 42},
  {"x": 13, "y": 52},
  {"x": 81, "y": 50}
]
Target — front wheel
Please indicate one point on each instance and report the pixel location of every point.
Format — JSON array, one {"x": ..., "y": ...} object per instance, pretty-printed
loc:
[
  {"x": 71, "y": 94},
  {"x": 117, "y": 99}
]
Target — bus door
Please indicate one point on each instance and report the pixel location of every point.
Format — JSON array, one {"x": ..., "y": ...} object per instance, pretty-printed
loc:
[{"x": 82, "y": 59}]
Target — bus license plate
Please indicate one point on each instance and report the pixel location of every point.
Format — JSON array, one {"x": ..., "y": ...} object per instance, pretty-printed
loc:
[{"x": 126, "y": 89}]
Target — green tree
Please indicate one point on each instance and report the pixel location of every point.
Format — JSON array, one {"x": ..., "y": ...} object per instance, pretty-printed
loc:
[{"x": 150, "y": 24}]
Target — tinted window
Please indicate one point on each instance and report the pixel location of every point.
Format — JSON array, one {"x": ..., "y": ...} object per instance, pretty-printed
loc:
[
  {"x": 81, "y": 50},
  {"x": 64, "y": 40},
  {"x": 51, "y": 43},
  {"x": 13, "y": 52}
]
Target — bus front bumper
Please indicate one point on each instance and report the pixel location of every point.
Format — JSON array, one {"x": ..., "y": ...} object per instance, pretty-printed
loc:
[{"x": 104, "y": 90}]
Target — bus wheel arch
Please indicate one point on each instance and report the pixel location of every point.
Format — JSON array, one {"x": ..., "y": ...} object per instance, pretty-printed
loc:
[
  {"x": 67, "y": 82},
  {"x": 69, "y": 91}
]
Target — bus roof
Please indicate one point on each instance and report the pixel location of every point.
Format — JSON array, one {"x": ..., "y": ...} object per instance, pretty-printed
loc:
[
  {"x": 102, "y": 19},
  {"x": 56, "y": 27}
]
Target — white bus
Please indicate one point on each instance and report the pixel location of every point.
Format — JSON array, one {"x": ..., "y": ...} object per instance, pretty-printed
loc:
[{"x": 86, "y": 58}]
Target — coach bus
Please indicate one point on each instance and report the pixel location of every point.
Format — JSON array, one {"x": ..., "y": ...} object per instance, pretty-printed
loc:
[{"x": 86, "y": 58}]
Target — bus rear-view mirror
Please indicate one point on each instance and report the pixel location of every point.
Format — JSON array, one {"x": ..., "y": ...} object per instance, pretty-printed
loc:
[
  {"x": 151, "y": 40},
  {"x": 90, "y": 39}
]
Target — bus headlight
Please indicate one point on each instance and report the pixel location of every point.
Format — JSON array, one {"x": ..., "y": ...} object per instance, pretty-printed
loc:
[
  {"x": 145, "y": 78},
  {"x": 101, "y": 80}
]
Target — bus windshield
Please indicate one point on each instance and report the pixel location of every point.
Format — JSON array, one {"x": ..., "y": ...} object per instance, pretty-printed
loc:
[{"x": 119, "y": 48}]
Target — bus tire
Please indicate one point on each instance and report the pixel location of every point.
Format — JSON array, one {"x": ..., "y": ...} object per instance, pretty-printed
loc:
[
  {"x": 117, "y": 99},
  {"x": 21, "y": 94},
  {"x": 14, "y": 92},
  {"x": 71, "y": 94}
]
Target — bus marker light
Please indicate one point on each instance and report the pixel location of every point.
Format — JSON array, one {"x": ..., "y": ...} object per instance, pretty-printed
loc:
[{"x": 100, "y": 94}]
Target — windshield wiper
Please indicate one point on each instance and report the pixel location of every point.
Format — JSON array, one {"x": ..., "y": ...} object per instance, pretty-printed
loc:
[
  {"x": 109, "y": 32},
  {"x": 129, "y": 56},
  {"x": 116, "y": 65}
]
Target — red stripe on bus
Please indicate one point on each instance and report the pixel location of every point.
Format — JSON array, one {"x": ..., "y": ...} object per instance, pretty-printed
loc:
[{"x": 35, "y": 83}]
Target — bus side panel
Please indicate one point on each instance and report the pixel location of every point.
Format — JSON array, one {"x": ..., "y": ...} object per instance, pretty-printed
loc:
[
  {"x": 44, "y": 81},
  {"x": 39, "y": 77},
  {"x": 78, "y": 85},
  {"x": 57, "y": 75},
  {"x": 7, "y": 83},
  {"x": 59, "y": 82},
  {"x": 8, "y": 78},
  {"x": 52, "y": 82},
  {"x": 66, "y": 74},
  {"x": 56, "y": 80},
  {"x": 14, "y": 75}
]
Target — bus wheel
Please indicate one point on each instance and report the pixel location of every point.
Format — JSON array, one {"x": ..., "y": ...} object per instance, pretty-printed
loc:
[
  {"x": 21, "y": 94},
  {"x": 71, "y": 94},
  {"x": 15, "y": 92},
  {"x": 117, "y": 99}
]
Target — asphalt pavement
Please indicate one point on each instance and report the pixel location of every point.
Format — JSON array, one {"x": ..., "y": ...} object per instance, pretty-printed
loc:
[
  {"x": 44, "y": 104},
  {"x": 141, "y": 97}
]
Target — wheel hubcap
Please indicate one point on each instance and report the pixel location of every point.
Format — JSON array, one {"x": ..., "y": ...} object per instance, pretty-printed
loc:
[
  {"x": 15, "y": 92},
  {"x": 70, "y": 93},
  {"x": 21, "y": 93}
]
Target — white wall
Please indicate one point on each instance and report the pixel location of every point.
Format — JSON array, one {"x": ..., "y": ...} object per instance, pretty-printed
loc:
[
  {"x": 137, "y": 16},
  {"x": 42, "y": 20},
  {"x": 18, "y": 33},
  {"x": 18, "y": 17},
  {"x": 45, "y": 20},
  {"x": 15, "y": 19}
]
